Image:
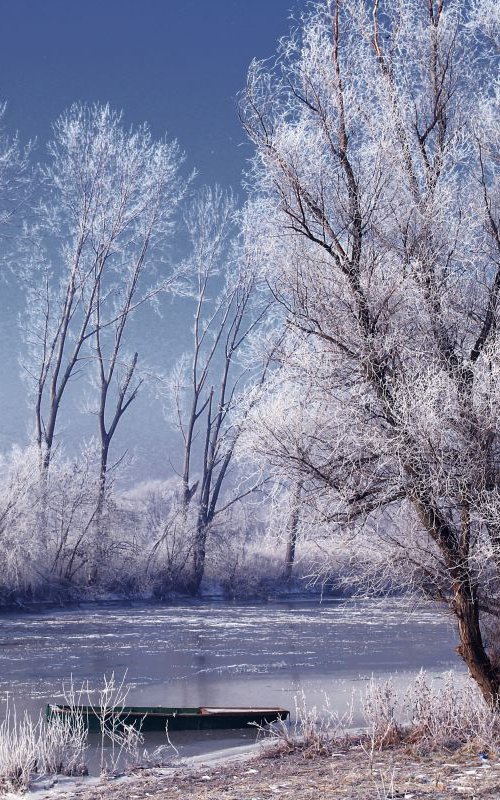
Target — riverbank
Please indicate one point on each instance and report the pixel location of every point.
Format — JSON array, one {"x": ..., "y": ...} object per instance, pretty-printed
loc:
[
  {"x": 347, "y": 774},
  {"x": 109, "y": 601}
]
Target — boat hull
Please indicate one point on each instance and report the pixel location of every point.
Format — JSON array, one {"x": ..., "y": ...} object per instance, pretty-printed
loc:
[{"x": 171, "y": 719}]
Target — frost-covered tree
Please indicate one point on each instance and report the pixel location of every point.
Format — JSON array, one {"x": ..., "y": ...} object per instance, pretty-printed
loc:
[
  {"x": 212, "y": 379},
  {"x": 108, "y": 198},
  {"x": 376, "y": 206}
]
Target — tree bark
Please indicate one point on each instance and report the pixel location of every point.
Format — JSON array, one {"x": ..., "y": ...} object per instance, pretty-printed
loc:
[
  {"x": 199, "y": 555},
  {"x": 471, "y": 648},
  {"x": 292, "y": 534}
]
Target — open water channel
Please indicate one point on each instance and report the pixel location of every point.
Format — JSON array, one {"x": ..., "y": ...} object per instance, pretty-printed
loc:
[{"x": 218, "y": 654}]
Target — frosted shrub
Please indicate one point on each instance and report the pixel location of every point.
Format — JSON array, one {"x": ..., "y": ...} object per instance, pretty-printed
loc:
[
  {"x": 450, "y": 714},
  {"x": 35, "y": 747},
  {"x": 313, "y": 730},
  {"x": 379, "y": 704},
  {"x": 429, "y": 716},
  {"x": 246, "y": 568},
  {"x": 62, "y": 746},
  {"x": 117, "y": 738},
  {"x": 18, "y": 751}
]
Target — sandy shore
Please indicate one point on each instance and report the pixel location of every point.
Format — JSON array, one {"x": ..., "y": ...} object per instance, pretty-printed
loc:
[{"x": 394, "y": 773}]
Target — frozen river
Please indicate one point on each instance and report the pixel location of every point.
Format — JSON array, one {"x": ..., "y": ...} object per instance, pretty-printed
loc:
[{"x": 222, "y": 654}]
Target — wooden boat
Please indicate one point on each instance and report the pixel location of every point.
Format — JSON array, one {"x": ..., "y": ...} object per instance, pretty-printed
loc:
[{"x": 159, "y": 718}]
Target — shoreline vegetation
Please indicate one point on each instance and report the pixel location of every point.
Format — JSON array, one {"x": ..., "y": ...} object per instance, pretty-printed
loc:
[
  {"x": 428, "y": 741},
  {"x": 262, "y": 589}
]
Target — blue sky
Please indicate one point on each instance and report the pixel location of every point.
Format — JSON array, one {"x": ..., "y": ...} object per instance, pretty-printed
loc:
[{"x": 177, "y": 65}]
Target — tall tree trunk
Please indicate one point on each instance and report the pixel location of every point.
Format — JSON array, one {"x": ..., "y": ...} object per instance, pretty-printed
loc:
[
  {"x": 292, "y": 533},
  {"x": 199, "y": 553},
  {"x": 471, "y": 648},
  {"x": 455, "y": 549},
  {"x": 98, "y": 555}
]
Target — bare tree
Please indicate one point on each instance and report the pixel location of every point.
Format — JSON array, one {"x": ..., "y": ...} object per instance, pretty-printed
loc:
[
  {"x": 109, "y": 199},
  {"x": 377, "y": 197},
  {"x": 208, "y": 382}
]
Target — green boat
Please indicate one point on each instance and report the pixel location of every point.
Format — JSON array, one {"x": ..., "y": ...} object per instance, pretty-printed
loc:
[{"x": 160, "y": 718}]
